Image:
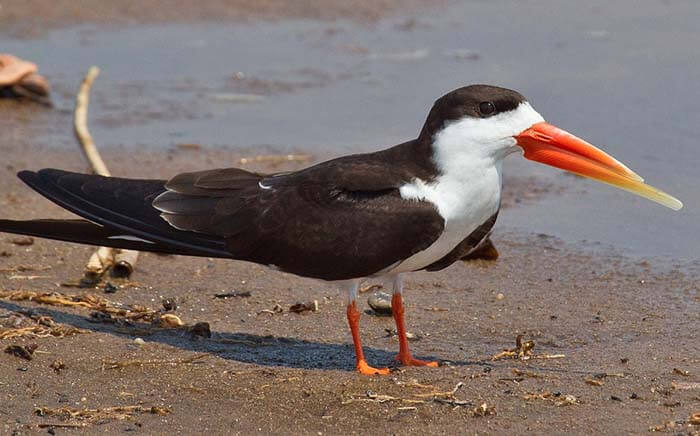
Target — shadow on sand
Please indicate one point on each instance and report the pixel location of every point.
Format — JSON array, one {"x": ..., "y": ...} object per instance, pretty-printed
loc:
[{"x": 240, "y": 347}]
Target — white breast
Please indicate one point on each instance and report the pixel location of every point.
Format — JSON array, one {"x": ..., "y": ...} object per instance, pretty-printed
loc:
[
  {"x": 464, "y": 203},
  {"x": 468, "y": 154}
]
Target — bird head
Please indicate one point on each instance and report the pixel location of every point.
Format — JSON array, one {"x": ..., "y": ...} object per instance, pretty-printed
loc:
[{"x": 489, "y": 122}]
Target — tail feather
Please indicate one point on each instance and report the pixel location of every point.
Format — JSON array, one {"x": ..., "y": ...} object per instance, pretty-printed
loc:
[
  {"x": 118, "y": 213},
  {"x": 85, "y": 232}
]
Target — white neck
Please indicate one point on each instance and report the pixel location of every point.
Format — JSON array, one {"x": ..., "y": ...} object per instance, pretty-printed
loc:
[{"x": 469, "y": 155}]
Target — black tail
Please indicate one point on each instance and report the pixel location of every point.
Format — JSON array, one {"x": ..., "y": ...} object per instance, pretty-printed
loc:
[{"x": 119, "y": 214}]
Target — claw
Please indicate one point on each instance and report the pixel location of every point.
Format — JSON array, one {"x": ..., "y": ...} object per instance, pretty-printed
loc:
[
  {"x": 408, "y": 360},
  {"x": 364, "y": 369}
]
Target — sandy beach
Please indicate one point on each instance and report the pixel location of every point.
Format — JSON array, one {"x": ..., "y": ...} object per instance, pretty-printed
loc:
[{"x": 615, "y": 335}]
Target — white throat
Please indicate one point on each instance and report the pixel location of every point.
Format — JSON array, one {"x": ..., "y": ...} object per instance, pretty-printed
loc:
[{"x": 468, "y": 154}]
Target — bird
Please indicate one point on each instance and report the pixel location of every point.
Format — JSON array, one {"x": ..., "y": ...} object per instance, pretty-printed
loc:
[{"x": 419, "y": 205}]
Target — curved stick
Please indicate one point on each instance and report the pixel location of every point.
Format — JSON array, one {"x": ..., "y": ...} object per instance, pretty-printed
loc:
[{"x": 122, "y": 261}]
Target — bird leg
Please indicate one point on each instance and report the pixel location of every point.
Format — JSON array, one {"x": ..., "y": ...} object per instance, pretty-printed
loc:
[
  {"x": 354, "y": 321},
  {"x": 397, "y": 310}
]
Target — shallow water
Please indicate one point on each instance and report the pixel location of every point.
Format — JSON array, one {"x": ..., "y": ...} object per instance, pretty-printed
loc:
[{"x": 622, "y": 75}]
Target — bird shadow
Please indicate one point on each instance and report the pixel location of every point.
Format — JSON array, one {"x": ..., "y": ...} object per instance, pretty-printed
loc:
[{"x": 267, "y": 350}]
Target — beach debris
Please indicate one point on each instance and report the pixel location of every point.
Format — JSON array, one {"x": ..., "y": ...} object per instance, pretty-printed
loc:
[
  {"x": 523, "y": 351},
  {"x": 380, "y": 302},
  {"x": 44, "y": 327},
  {"x": 369, "y": 288},
  {"x": 22, "y": 351},
  {"x": 200, "y": 329},
  {"x": 26, "y": 277},
  {"x": 57, "y": 365},
  {"x": 392, "y": 333},
  {"x": 694, "y": 419},
  {"x": 435, "y": 309},
  {"x": 594, "y": 382},
  {"x": 110, "y": 288},
  {"x": 124, "y": 261},
  {"x": 120, "y": 262},
  {"x": 566, "y": 400},
  {"x": 89, "y": 416},
  {"x": 168, "y": 320},
  {"x": 557, "y": 398},
  {"x": 169, "y": 304},
  {"x": 104, "y": 311},
  {"x": 682, "y": 372},
  {"x": 311, "y": 306},
  {"x": 20, "y": 79},
  {"x": 530, "y": 374},
  {"x": 233, "y": 294},
  {"x": 116, "y": 364},
  {"x": 483, "y": 410},
  {"x": 55, "y": 330},
  {"x": 684, "y": 386},
  {"x": 12, "y": 69},
  {"x": 446, "y": 397},
  {"x": 22, "y": 241},
  {"x": 668, "y": 425},
  {"x": 485, "y": 251},
  {"x": 277, "y": 308},
  {"x": 139, "y": 342}
]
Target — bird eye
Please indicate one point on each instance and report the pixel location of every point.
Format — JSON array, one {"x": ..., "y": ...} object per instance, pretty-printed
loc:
[{"x": 487, "y": 108}]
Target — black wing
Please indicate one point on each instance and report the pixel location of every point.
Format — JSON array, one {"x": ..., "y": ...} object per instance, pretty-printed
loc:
[
  {"x": 119, "y": 211},
  {"x": 337, "y": 220}
]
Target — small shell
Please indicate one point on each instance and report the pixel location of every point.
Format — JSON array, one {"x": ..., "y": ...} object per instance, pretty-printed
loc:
[
  {"x": 169, "y": 320},
  {"x": 380, "y": 302}
]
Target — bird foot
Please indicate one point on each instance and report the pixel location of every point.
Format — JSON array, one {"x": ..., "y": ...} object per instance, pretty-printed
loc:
[
  {"x": 364, "y": 369},
  {"x": 408, "y": 360}
]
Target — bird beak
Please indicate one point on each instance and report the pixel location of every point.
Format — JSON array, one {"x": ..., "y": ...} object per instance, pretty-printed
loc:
[{"x": 553, "y": 146}]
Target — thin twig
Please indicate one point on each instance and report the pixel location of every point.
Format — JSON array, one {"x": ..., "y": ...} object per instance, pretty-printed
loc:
[
  {"x": 104, "y": 257},
  {"x": 82, "y": 102}
]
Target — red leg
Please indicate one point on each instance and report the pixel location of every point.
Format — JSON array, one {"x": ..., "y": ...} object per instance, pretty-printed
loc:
[
  {"x": 404, "y": 355},
  {"x": 360, "y": 362}
]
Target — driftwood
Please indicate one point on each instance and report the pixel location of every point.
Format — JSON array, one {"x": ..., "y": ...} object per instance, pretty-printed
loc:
[{"x": 120, "y": 261}]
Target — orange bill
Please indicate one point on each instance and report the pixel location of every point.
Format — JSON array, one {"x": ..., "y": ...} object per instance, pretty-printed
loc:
[{"x": 553, "y": 146}]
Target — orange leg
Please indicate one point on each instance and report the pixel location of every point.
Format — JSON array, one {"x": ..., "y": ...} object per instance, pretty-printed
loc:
[
  {"x": 404, "y": 355},
  {"x": 360, "y": 362}
]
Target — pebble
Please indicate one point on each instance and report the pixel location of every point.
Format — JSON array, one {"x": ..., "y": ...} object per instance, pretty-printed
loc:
[
  {"x": 139, "y": 341},
  {"x": 380, "y": 302},
  {"x": 169, "y": 304},
  {"x": 500, "y": 296}
]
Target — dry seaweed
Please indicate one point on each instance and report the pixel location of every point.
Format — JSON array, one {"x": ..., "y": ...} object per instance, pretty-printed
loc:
[
  {"x": 22, "y": 351},
  {"x": 116, "y": 364},
  {"x": 523, "y": 351},
  {"x": 94, "y": 415}
]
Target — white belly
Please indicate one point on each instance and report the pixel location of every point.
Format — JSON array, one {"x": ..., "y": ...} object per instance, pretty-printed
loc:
[{"x": 464, "y": 203}]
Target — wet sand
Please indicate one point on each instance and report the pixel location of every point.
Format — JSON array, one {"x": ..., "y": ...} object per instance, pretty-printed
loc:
[{"x": 626, "y": 326}]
